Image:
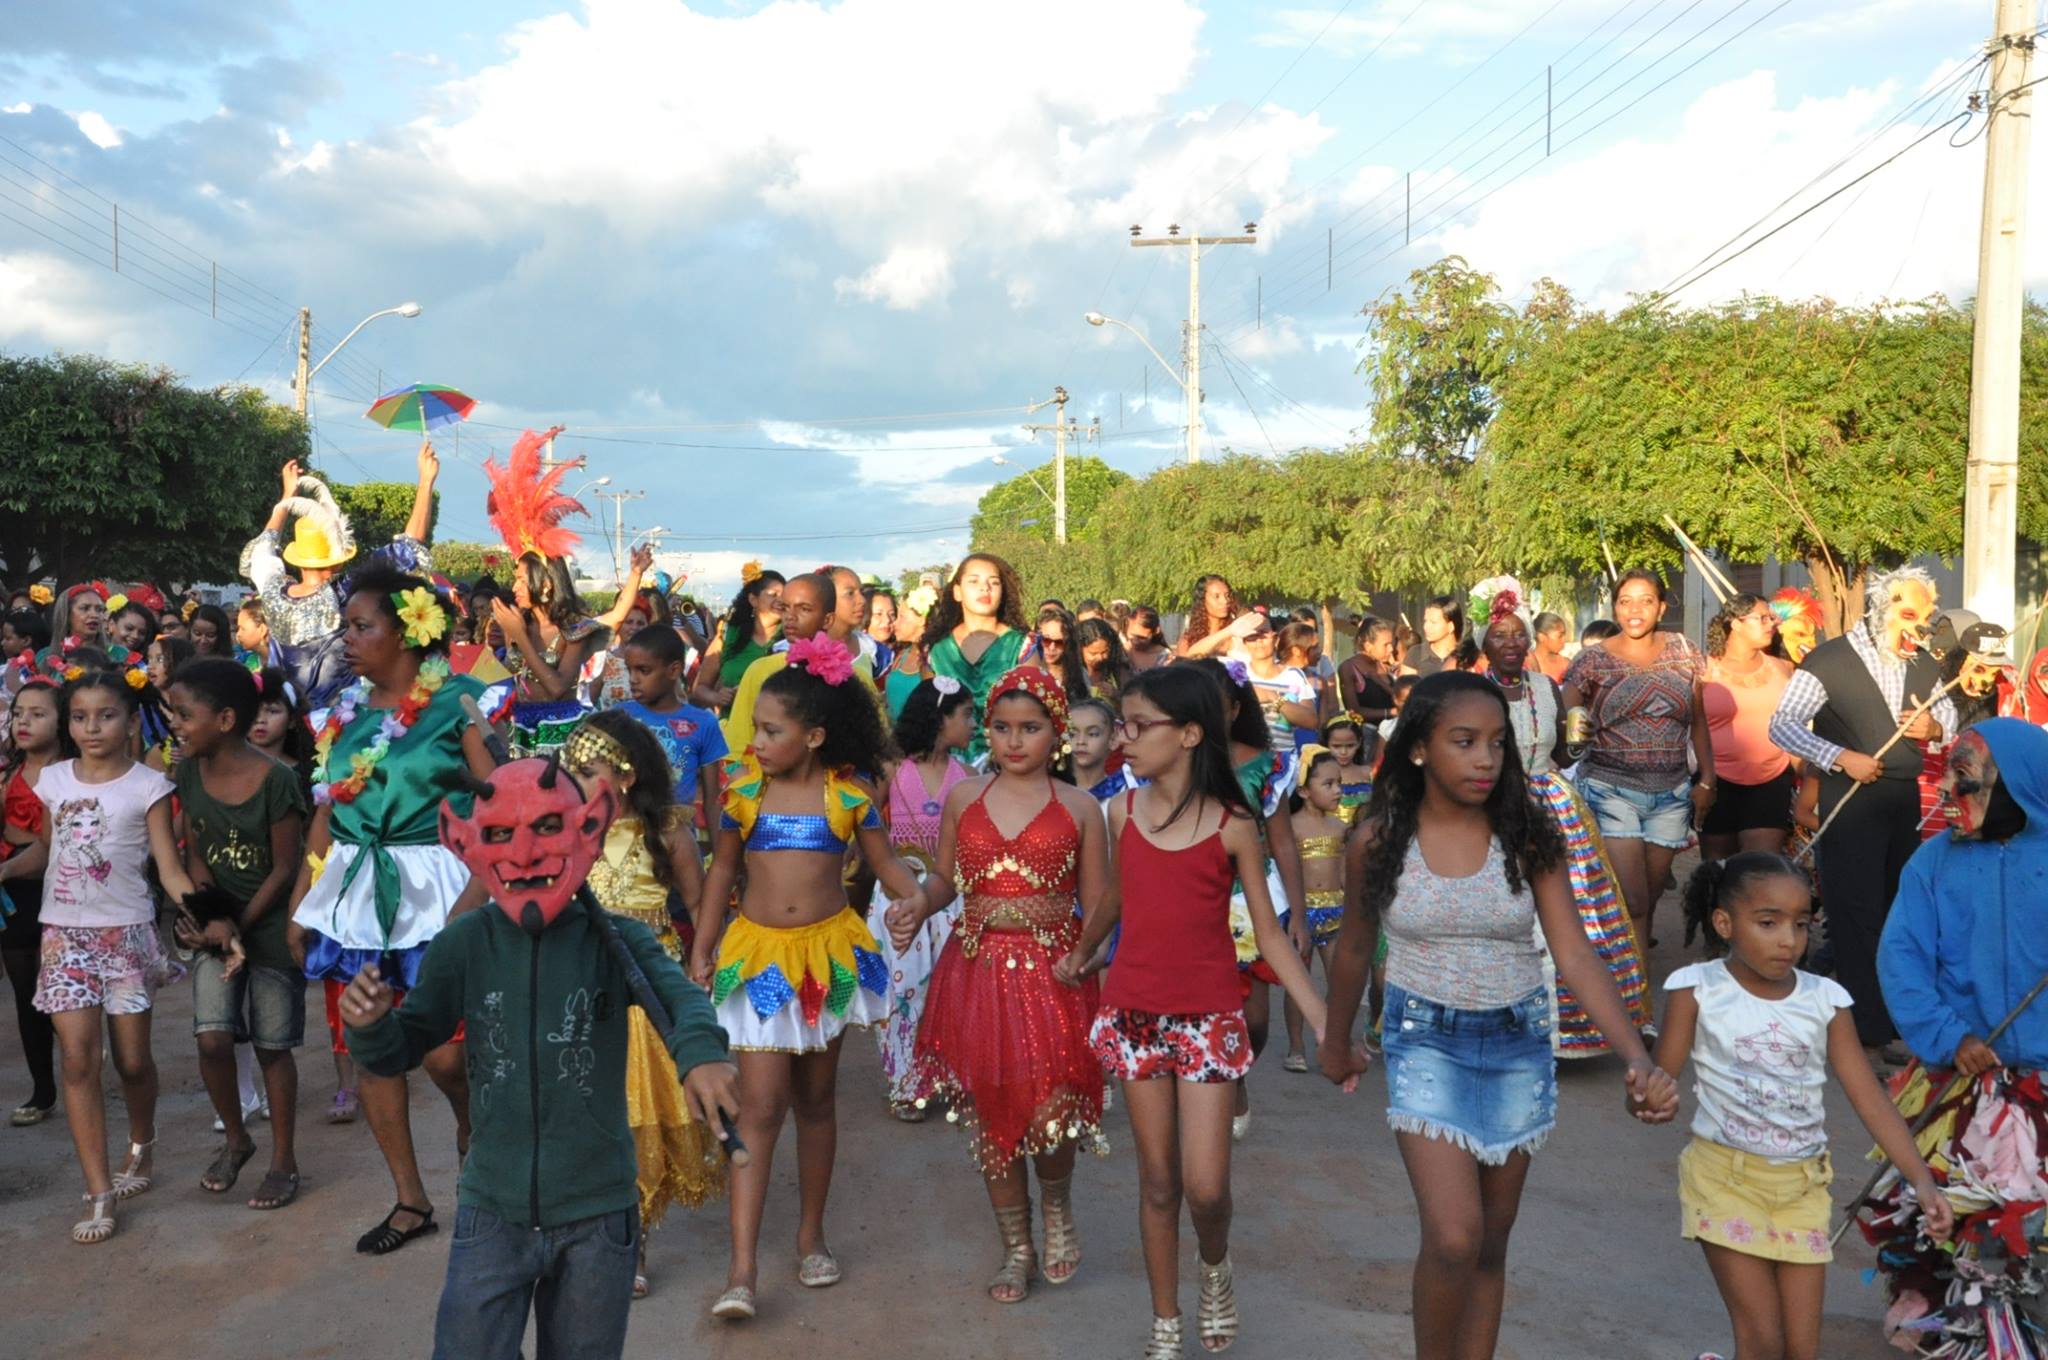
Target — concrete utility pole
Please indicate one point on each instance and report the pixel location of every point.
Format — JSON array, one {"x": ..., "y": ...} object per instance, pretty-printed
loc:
[
  {"x": 618, "y": 500},
  {"x": 1061, "y": 428},
  {"x": 1990, "y": 494},
  {"x": 301, "y": 379},
  {"x": 1192, "y": 336}
]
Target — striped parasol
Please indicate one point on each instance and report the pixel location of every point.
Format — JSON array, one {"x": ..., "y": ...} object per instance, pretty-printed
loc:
[{"x": 421, "y": 406}]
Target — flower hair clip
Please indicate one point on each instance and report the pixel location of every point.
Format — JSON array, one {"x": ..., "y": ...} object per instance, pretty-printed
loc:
[
  {"x": 191, "y": 608},
  {"x": 422, "y": 617},
  {"x": 1240, "y": 673},
  {"x": 823, "y": 658},
  {"x": 921, "y": 601},
  {"x": 750, "y": 572},
  {"x": 41, "y": 595},
  {"x": 945, "y": 684}
]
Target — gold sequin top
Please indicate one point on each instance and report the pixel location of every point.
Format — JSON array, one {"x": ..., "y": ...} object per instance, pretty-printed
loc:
[
  {"x": 1321, "y": 847},
  {"x": 623, "y": 878}
]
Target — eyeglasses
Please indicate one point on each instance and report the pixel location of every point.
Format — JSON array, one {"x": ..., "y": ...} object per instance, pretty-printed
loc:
[
  {"x": 1133, "y": 728},
  {"x": 1766, "y": 618}
]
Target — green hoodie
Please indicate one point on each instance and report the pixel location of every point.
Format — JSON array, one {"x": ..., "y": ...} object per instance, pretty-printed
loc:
[{"x": 546, "y": 1053}]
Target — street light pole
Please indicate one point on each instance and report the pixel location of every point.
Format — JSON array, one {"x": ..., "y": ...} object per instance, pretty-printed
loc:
[
  {"x": 1192, "y": 347},
  {"x": 302, "y": 381},
  {"x": 1060, "y": 428},
  {"x": 618, "y": 500}
]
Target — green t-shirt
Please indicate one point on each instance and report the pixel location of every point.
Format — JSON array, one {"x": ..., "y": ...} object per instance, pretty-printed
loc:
[{"x": 234, "y": 841}]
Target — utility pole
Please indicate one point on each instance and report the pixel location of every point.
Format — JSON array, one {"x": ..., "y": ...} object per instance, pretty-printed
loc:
[
  {"x": 618, "y": 500},
  {"x": 1061, "y": 428},
  {"x": 1990, "y": 509},
  {"x": 300, "y": 380},
  {"x": 1192, "y": 336}
]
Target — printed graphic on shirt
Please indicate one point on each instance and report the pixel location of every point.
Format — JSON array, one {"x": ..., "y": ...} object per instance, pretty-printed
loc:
[
  {"x": 1770, "y": 1063},
  {"x": 79, "y": 828}
]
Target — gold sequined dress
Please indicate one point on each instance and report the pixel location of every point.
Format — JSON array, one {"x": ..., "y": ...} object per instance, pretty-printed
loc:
[{"x": 679, "y": 1161}]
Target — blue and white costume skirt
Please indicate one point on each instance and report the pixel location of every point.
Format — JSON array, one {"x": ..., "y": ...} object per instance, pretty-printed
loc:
[{"x": 339, "y": 912}]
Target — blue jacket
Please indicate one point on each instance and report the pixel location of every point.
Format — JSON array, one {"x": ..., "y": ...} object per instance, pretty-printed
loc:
[{"x": 1968, "y": 933}]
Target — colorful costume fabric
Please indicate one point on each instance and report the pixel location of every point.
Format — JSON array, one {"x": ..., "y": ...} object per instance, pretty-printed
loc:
[
  {"x": 1002, "y": 1040},
  {"x": 1325, "y": 905},
  {"x": 796, "y": 989},
  {"x": 980, "y": 677},
  {"x": 384, "y": 890},
  {"x": 1267, "y": 779},
  {"x": 914, "y": 816},
  {"x": 542, "y": 725},
  {"x": 305, "y": 630},
  {"x": 677, "y": 1156}
]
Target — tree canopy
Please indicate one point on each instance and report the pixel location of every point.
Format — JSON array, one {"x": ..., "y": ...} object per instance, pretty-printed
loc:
[
  {"x": 118, "y": 470},
  {"x": 1005, "y": 507}
]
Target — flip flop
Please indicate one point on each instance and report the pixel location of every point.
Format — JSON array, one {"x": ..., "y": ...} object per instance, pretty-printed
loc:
[
  {"x": 226, "y": 1169},
  {"x": 26, "y": 1115},
  {"x": 819, "y": 1270},
  {"x": 384, "y": 1239},
  {"x": 277, "y": 1189}
]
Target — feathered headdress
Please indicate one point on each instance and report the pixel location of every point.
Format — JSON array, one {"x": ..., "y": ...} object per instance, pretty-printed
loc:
[{"x": 526, "y": 505}]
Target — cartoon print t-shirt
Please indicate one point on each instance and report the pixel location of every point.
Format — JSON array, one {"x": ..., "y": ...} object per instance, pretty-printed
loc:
[
  {"x": 99, "y": 845},
  {"x": 1762, "y": 1066}
]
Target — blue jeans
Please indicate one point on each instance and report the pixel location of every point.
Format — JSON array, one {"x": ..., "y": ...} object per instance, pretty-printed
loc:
[
  {"x": 1482, "y": 1080},
  {"x": 577, "y": 1279}
]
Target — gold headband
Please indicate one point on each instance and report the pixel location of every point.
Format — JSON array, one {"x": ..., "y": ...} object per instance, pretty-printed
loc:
[{"x": 589, "y": 745}]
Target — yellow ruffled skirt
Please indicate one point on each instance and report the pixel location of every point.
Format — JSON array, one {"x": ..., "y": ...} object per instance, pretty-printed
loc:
[{"x": 679, "y": 1159}]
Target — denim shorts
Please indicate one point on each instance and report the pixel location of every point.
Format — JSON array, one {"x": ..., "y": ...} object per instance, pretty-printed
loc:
[
  {"x": 1663, "y": 819},
  {"x": 266, "y": 1006},
  {"x": 1483, "y": 1080}
]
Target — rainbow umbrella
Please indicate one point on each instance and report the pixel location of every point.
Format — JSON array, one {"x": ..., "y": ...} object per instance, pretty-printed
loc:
[{"x": 421, "y": 406}]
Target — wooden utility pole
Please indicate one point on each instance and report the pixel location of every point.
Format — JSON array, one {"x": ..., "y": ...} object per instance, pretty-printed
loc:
[
  {"x": 301, "y": 379},
  {"x": 1991, "y": 484},
  {"x": 1192, "y": 336}
]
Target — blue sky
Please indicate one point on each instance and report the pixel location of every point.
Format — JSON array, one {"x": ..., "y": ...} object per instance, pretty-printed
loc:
[{"x": 845, "y": 244}]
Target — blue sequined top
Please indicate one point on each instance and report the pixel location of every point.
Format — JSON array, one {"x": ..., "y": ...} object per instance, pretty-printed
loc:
[{"x": 796, "y": 831}]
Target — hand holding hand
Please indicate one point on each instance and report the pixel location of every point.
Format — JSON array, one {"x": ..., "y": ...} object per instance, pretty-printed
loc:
[
  {"x": 903, "y": 918},
  {"x": 235, "y": 959},
  {"x": 1974, "y": 1057},
  {"x": 366, "y": 999},
  {"x": 1652, "y": 1094},
  {"x": 700, "y": 969},
  {"x": 1343, "y": 1061},
  {"x": 1072, "y": 967}
]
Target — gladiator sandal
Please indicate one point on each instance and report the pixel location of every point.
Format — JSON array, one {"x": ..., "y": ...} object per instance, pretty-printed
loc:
[
  {"x": 100, "y": 1226},
  {"x": 1062, "y": 1242},
  {"x": 1166, "y": 1343},
  {"x": 132, "y": 1180},
  {"x": 1013, "y": 1281},
  {"x": 1216, "y": 1314}
]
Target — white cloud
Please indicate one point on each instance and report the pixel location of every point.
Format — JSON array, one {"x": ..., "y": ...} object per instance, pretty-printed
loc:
[
  {"x": 49, "y": 301},
  {"x": 910, "y": 277},
  {"x": 98, "y": 130}
]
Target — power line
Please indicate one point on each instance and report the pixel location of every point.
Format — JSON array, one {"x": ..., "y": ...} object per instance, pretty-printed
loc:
[{"x": 1232, "y": 372}]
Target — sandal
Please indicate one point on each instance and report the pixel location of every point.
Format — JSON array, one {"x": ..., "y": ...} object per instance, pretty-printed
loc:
[
  {"x": 819, "y": 1270},
  {"x": 735, "y": 1304},
  {"x": 345, "y": 1107},
  {"x": 1013, "y": 1281},
  {"x": 909, "y": 1111},
  {"x": 277, "y": 1189},
  {"x": 100, "y": 1226},
  {"x": 132, "y": 1181},
  {"x": 1062, "y": 1241},
  {"x": 1216, "y": 1312},
  {"x": 640, "y": 1270},
  {"x": 227, "y": 1168},
  {"x": 384, "y": 1239},
  {"x": 1166, "y": 1341},
  {"x": 28, "y": 1113},
  {"x": 1294, "y": 1062}
]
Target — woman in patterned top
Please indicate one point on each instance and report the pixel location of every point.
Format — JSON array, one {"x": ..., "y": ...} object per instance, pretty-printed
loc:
[{"x": 1634, "y": 704}]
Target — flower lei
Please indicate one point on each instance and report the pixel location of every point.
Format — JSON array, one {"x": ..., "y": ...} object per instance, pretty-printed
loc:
[{"x": 326, "y": 790}]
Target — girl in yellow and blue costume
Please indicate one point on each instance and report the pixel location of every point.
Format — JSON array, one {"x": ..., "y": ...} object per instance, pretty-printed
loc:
[{"x": 797, "y": 966}]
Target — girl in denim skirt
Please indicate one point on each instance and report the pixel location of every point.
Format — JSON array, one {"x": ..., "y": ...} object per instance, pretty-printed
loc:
[{"x": 1458, "y": 865}]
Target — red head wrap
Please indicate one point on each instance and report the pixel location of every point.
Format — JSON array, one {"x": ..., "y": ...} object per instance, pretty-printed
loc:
[{"x": 1041, "y": 685}]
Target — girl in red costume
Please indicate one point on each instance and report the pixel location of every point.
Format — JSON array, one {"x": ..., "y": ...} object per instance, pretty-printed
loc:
[{"x": 1001, "y": 1040}]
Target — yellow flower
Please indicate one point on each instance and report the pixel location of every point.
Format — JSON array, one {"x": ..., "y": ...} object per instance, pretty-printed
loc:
[
  {"x": 73, "y": 672},
  {"x": 422, "y": 617},
  {"x": 41, "y": 594},
  {"x": 749, "y": 573},
  {"x": 137, "y": 678}
]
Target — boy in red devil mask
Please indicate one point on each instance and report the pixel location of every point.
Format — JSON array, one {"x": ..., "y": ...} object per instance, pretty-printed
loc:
[{"x": 547, "y": 1204}]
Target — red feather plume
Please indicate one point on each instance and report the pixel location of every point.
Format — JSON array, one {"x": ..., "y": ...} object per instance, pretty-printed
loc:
[{"x": 526, "y": 505}]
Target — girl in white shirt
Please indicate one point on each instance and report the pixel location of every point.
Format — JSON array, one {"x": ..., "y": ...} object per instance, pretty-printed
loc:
[{"x": 1753, "y": 1184}]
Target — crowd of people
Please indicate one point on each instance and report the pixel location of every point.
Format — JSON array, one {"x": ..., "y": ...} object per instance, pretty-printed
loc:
[{"x": 1052, "y": 856}]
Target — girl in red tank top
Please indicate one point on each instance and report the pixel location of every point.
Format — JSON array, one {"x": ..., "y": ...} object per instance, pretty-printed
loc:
[
  {"x": 1002, "y": 1040},
  {"x": 1172, "y": 1024}
]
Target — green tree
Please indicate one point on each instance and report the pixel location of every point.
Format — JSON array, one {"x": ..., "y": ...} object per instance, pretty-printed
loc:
[
  {"x": 907, "y": 578},
  {"x": 465, "y": 562},
  {"x": 118, "y": 470},
  {"x": 1005, "y": 506},
  {"x": 1432, "y": 357},
  {"x": 377, "y": 511}
]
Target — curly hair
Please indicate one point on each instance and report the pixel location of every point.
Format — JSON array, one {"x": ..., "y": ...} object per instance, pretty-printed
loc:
[
  {"x": 1529, "y": 840},
  {"x": 848, "y": 712},
  {"x": 1723, "y": 623},
  {"x": 1198, "y": 611},
  {"x": 652, "y": 793},
  {"x": 924, "y": 715},
  {"x": 947, "y": 614},
  {"x": 387, "y": 583},
  {"x": 739, "y": 618},
  {"x": 1719, "y": 885}
]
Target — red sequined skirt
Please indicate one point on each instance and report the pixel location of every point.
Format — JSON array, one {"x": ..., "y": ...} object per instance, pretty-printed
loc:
[{"x": 1006, "y": 1045}]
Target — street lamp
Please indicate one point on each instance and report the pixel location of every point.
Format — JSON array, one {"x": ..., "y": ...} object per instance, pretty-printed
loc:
[
  {"x": 577, "y": 494},
  {"x": 1188, "y": 390},
  {"x": 305, "y": 375}
]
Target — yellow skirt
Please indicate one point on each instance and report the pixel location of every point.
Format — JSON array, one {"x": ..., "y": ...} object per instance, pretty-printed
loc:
[
  {"x": 679, "y": 1158},
  {"x": 796, "y": 989},
  {"x": 1776, "y": 1210}
]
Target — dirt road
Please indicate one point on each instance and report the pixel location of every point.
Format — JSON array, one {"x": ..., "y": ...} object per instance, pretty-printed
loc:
[{"x": 1324, "y": 1236}]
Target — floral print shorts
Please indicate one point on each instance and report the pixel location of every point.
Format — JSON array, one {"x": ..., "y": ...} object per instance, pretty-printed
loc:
[
  {"x": 1138, "y": 1046},
  {"x": 117, "y": 968},
  {"x": 1738, "y": 1200}
]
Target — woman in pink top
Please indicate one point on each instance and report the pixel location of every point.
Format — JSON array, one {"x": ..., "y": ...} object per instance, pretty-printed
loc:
[{"x": 1740, "y": 692}]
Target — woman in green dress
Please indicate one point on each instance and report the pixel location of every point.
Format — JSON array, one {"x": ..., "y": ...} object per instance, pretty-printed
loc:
[
  {"x": 976, "y": 634},
  {"x": 751, "y": 630}
]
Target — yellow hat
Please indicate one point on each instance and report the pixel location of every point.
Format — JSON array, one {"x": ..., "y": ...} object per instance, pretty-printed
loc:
[{"x": 312, "y": 546}]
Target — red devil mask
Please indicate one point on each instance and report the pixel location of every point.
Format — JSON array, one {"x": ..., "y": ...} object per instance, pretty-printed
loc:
[{"x": 531, "y": 838}]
